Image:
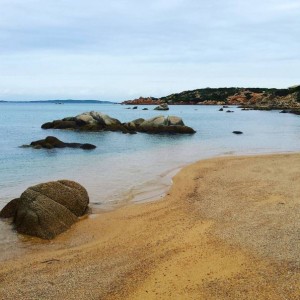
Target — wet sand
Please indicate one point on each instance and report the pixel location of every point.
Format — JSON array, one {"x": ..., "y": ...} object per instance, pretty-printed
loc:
[{"x": 229, "y": 228}]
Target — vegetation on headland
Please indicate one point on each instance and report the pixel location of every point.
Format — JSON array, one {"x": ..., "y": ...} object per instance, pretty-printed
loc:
[{"x": 259, "y": 98}]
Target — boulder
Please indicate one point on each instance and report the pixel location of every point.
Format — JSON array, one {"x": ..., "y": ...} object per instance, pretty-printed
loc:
[
  {"x": 221, "y": 109},
  {"x": 161, "y": 124},
  {"x": 237, "y": 132},
  {"x": 51, "y": 142},
  {"x": 173, "y": 120},
  {"x": 135, "y": 107},
  {"x": 47, "y": 209},
  {"x": 229, "y": 111},
  {"x": 8, "y": 211},
  {"x": 163, "y": 106},
  {"x": 145, "y": 108},
  {"x": 155, "y": 121},
  {"x": 94, "y": 121},
  {"x": 88, "y": 121}
]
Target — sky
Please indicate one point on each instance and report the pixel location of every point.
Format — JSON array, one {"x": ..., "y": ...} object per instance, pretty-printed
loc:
[{"x": 120, "y": 49}]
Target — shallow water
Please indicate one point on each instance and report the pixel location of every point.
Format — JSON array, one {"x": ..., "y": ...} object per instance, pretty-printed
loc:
[
  {"x": 125, "y": 167},
  {"x": 122, "y": 164}
]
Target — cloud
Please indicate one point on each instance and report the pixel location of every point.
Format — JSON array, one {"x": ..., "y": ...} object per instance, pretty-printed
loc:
[{"x": 78, "y": 48}]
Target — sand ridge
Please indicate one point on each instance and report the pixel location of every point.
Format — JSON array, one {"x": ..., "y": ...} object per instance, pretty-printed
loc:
[{"x": 222, "y": 232}]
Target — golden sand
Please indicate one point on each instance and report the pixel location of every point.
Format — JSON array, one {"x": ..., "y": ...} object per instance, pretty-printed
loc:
[{"x": 229, "y": 228}]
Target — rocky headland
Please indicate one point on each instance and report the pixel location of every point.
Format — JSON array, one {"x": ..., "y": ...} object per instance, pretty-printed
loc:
[
  {"x": 255, "y": 98},
  {"x": 97, "y": 121}
]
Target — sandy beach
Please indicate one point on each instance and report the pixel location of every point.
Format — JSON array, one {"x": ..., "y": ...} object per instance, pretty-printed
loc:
[{"x": 229, "y": 228}]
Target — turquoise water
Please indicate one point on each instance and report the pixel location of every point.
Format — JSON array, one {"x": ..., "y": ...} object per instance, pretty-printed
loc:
[{"x": 124, "y": 166}]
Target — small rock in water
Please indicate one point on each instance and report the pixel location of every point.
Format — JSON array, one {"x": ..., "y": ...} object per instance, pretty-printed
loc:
[
  {"x": 163, "y": 106},
  {"x": 237, "y": 132},
  {"x": 51, "y": 142}
]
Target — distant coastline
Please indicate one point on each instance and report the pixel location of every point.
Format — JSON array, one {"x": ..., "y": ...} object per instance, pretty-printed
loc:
[
  {"x": 68, "y": 101},
  {"x": 254, "y": 98}
]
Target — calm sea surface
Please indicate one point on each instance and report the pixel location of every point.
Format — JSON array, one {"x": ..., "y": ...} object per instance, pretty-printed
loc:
[{"x": 124, "y": 167}]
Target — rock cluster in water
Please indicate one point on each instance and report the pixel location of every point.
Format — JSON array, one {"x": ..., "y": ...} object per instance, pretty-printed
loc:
[
  {"x": 47, "y": 209},
  {"x": 163, "y": 106},
  {"x": 51, "y": 142},
  {"x": 97, "y": 121}
]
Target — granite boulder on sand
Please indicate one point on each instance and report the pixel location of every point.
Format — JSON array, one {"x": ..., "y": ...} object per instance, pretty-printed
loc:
[{"x": 47, "y": 209}]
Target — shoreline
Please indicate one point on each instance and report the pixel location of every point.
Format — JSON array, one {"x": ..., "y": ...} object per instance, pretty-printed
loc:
[{"x": 194, "y": 242}]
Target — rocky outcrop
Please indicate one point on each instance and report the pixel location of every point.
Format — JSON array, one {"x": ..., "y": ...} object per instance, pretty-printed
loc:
[
  {"x": 94, "y": 121},
  {"x": 163, "y": 106},
  {"x": 256, "y": 98},
  {"x": 48, "y": 209},
  {"x": 88, "y": 121},
  {"x": 143, "y": 101},
  {"x": 51, "y": 142},
  {"x": 161, "y": 124}
]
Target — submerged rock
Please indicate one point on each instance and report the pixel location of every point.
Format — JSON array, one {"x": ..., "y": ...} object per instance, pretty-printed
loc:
[
  {"x": 51, "y": 142},
  {"x": 237, "y": 132},
  {"x": 47, "y": 209}
]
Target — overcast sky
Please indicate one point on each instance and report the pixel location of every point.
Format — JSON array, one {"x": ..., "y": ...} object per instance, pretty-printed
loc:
[{"x": 122, "y": 49}]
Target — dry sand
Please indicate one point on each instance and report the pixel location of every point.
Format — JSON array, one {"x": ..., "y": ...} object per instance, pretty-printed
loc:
[{"x": 229, "y": 228}]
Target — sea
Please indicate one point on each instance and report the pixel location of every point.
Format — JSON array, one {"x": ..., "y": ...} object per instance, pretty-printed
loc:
[{"x": 129, "y": 168}]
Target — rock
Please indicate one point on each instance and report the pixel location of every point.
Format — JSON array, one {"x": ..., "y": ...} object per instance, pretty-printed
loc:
[
  {"x": 60, "y": 124},
  {"x": 221, "y": 109},
  {"x": 48, "y": 209},
  {"x": 155, "y": 121},
  {"x": 161, "y": 124},
  {"x": 295, "y": 111},
  {"x": 225, "y": 106},
  {"x": 237, "y": 132},
  {"x": 88, "y": 121},
  {"x": 94, "y": 121},
  {"x": 8, "y": 211},
  {"x": 163, "y": 106},
  {"x": 173, "y": 120},
  {"x": 135, "y": 107},
  {"x": 87, "y": 146},
  {"x": 51, "y": 142},
  {"x": 145, "y": 109},
  {"x": 284, "y": 111},
  {"x": 229, "y": 111}
]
